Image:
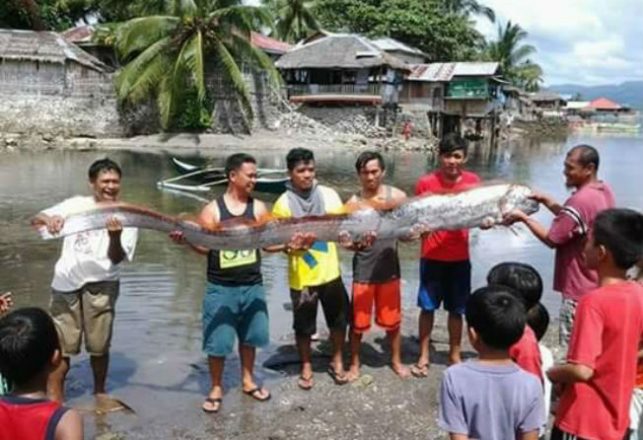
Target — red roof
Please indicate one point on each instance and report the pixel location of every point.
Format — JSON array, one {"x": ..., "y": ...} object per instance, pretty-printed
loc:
[
  {"x": 79, "y": 34},
  {"x": 269, "y": 44},
  {"x": 604, "y": 104}
]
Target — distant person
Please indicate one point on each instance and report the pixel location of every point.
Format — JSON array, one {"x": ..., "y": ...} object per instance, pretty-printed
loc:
[
  {"x": 6, "y": 301},
  {"x": 313, "y": 266},
  {"x": 445, "y": 269},
  {"x": 569, "y": 229},
  {"x": 29, "y": 353},
  {"x": 526, "y": 285},
  {"x": 86, "y": 278},
  {"x": 538, "y": 320},
  {"x": 234, "y": 305},
  {"x": 491, "y": 397},
  {"x": 376, "y": 269},
  {"x": 600, "y": 373}
]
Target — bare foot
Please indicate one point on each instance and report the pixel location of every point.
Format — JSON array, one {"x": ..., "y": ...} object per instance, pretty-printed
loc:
[
  {"x": 401, "y": 370},
  {"x": 353, "y": 373},
  {"x": 420, "y": 370}
]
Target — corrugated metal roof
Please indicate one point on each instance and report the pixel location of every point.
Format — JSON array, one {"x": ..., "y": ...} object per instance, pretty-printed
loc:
[
  {"x": 577, "y": 105},
  {"x": 79, "y": 34},
  {"x": 442, "y": 72},
  {"x": 391, "y": 44},
  {"x": 545, "y": 96},
  {"x": 44, "y": 46}
]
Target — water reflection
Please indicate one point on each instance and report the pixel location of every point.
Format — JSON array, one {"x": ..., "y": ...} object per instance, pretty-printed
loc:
[{"x": 157, "y": 337}]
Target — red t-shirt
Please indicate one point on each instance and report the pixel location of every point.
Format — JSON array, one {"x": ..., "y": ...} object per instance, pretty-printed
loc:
[
  {"x": 446, "y": 245},
  {"x": 568, "y": 231},
  {"x": 607, "y": 329},
  {"x": 29, "y": 419},
  {"x": 526, "y": 353}
]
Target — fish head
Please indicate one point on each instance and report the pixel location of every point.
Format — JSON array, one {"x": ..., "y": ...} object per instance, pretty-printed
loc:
[{"x": 518, "y": 197}]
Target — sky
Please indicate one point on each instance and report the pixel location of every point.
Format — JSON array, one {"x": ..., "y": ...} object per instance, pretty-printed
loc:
[{"x": 587, "y": 42}]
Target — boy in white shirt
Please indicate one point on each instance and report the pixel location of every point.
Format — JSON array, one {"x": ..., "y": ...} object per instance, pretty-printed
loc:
[{"x": 86, "y": 278}]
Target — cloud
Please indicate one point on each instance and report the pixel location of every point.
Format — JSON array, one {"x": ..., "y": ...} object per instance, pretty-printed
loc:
[{"x": 580, "y": 41}]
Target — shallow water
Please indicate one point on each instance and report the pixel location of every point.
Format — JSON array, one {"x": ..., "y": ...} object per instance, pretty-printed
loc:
[{"x": 156, "y": 355}]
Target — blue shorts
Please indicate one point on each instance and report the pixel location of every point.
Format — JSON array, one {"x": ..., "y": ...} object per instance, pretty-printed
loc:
[
  {"x": 448, "y": 281},
  {"x": 234, "y": 312}
]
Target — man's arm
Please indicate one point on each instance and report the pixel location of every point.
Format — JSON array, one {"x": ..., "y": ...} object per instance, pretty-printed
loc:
[
  {"x": 570, "y": 373},
  {"x": 536, "y": 228},
  {"x": 70, "y": 426},
  {"x": 115, "y": 251},
  {"x": 549, "y": 203},
  {"x": 53, "y": 223},
  {"x": 531, "y": 435}
]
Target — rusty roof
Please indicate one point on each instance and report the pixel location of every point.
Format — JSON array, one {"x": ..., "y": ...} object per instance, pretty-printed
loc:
[{"x": 443, "y": 72}]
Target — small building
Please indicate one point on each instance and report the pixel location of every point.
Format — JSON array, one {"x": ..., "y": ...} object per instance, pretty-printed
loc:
[
  {"x": 404, "y": 52},
  {"x": 341, "y": 69},
  {"x": 454, "y": 96},
  {"x": 272, "y": 47},
  {"x": 550, "y": 104},
  {"x": 50, "y": 85},
  {"x": 517, "y": 104}
]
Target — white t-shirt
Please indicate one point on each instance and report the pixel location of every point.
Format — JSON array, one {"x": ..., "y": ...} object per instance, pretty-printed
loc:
[{"x": 84, "y": 256}]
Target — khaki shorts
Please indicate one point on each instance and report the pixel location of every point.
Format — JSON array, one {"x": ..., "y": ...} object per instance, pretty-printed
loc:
[{"x": 89, "y": 310}]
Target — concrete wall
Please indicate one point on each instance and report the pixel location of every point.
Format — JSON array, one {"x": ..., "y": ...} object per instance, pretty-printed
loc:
[{"x": 57, "y": 99}]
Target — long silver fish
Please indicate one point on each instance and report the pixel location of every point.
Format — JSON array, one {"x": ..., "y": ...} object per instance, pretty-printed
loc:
[{"x": 466, "y": 209}]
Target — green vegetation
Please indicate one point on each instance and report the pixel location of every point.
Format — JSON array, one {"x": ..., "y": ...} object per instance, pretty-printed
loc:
[
  {"x": 513, "y": 57},
  {"x": 294, "y": 19},
  {"x": 167, "y": 55}
]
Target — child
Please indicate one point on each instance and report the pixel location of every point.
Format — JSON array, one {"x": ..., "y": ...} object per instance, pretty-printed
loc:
[
  {"x": 600, "y": 372},
  {"x": 5, "y": 304},
  {"x": 29, "y": 352},
  {"x": 538, "y": 321},
  {"x": 491, "y": 398},
  {"x": 527, "y": 285}
]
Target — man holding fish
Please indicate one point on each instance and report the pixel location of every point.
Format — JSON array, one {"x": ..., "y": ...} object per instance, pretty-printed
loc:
[{"x": 86, "y": 278}]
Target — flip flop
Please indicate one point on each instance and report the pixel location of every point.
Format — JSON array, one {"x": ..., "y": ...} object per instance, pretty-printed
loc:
[
  {"x": 255, "y": 393},
  {"x": 213, "y": 401},
  {"x": 339, "y": 380},
  {"x": 420, "y": 371},
  {"x": 305, "y": 383}
]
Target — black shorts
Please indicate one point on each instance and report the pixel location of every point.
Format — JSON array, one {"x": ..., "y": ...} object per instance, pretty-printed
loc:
[{"x": 334, "y": 301}]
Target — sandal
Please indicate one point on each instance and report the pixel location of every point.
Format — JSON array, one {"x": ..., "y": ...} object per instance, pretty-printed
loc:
[
  {"x": 337, "y": 378},
  {"x": 212, "y": 401},
  {"x": 305, "y": 383},
  {"x": 420, "y": 371},
  {"x": 256, "y": 393}
]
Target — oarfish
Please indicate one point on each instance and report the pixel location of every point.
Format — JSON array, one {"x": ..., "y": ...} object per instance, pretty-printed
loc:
[{"x": 466, "y": 209}]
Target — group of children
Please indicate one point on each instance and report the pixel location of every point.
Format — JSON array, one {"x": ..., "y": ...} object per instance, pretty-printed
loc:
[{"x": 491, "y": 398}]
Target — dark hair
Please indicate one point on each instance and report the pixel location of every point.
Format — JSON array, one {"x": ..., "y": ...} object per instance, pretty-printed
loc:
[
  {"x": 522, "y": 278},
  {"x": 28, "y": 340},
  {"x": 496, "y": 315},
  {"x": 368, "y": 156},
  {"x": 620, "y": 230},
  {"x": 452, "y": 142},
  {"x": 297, "y": 155},
  {"x": 586, "y": 155},
  {"x": 235, "y": 161},
  {"x": 102, "y": 165},
  {"x": 538, "y": 320}
]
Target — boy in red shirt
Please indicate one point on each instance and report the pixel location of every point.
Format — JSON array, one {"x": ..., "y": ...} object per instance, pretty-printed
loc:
[
  {"x": 600, "y": 372},
  {"x": 29, "y": 352},
  {"x": 445, "y": 270},
  {"x": 526, "y": 284}
]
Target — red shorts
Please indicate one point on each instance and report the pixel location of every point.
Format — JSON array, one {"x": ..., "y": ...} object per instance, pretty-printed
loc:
[{"x": 387, "y": 305}]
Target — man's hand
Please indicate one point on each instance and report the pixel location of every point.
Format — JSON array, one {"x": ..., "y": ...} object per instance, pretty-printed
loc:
[
  {"x": 54, "y": 223},
  {"x": 513, "y": 216},
  {"x": 366, "y": 241},
  {"x": 301, "y": 241},
  {"x": 6, "y": 301},
  {"x": 540, "y": 197},
  {"x": 419, "y": 230},
  {"x": 177, "y": 237},
  {"x": 114, "y": 226},
  {"x": 487, "y": 223}
]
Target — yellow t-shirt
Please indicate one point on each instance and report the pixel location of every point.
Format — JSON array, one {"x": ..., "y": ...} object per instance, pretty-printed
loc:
[{"x": 319, "y": 264}]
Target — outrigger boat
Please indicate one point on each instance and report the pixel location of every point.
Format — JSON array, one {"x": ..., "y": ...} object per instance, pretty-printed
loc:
[{"x": 202, "y": 179}]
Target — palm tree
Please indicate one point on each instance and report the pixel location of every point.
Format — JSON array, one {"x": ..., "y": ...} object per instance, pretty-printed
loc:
[
  {"x": 295, "y": 19},
  {"x": 166, "y": 56},
  {"x": 513, "y": 56},
  {"x": 469, "y": 7}
]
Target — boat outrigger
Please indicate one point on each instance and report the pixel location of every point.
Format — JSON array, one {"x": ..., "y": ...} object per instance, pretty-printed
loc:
[{"x": 203, "y": 179}]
